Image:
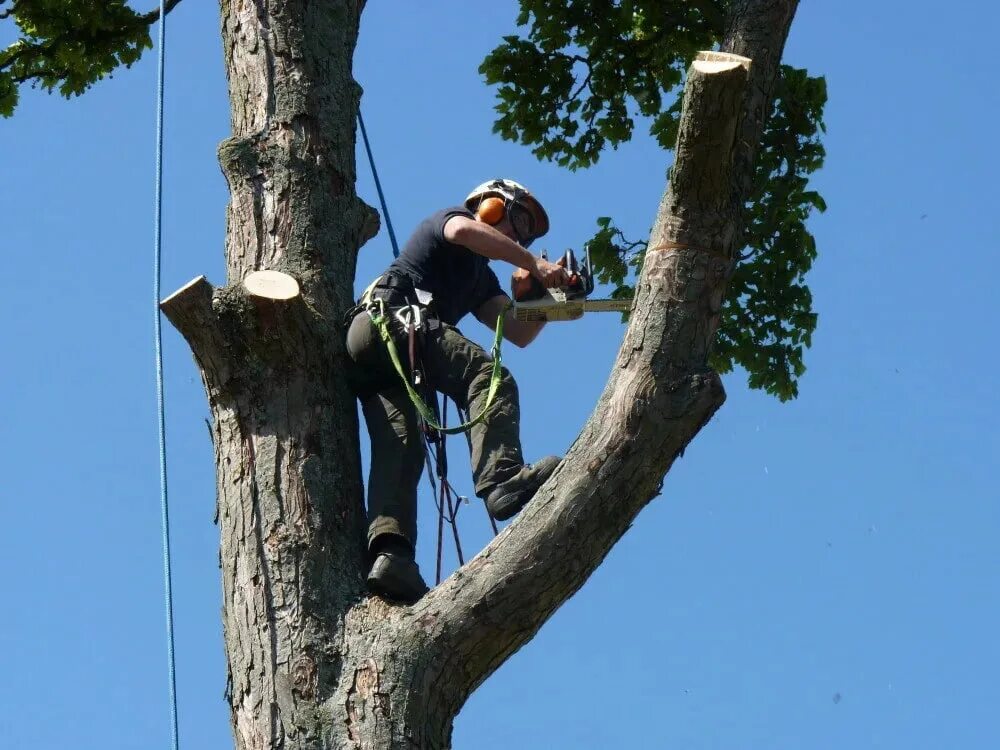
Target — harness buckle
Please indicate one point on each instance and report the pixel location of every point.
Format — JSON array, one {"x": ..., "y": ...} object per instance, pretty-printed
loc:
[{"x": 410, "y": 316}]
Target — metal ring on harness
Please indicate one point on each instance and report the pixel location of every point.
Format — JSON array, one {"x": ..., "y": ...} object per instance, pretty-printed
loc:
[{"x": 410, "y": 317}]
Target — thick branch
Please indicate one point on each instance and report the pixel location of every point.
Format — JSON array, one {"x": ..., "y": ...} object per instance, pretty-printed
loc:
[
  {"x": 661, "y": 391},
  {"x": 698, "y": 209},
  {"x": 191, "y": 312},
  {"x": 756, "y": 29},
  {"x": 660, "y": 394}
]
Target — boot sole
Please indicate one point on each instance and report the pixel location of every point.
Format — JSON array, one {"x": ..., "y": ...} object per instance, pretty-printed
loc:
[
  {"x": 384, "y": 583},
  {"x": 507, "y": 506},
  {"x": 511, "y": 504}
]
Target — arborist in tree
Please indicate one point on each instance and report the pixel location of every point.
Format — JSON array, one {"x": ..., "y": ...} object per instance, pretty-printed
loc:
[{"x": 442, "y": 274}]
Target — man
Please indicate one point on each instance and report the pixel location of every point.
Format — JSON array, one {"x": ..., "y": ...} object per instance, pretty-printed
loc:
[{"x": 444, "y": 269}]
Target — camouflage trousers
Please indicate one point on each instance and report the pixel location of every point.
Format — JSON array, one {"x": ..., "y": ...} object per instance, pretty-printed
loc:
[{"x": 450, "y": 364}]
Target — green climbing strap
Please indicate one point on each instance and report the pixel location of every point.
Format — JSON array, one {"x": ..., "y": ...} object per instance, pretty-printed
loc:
[{"x": 376, "y": 309}]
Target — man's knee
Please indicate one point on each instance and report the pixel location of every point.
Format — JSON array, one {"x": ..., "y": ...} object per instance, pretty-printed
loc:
[
  {"x": 507, "y": 378},
  {"x": 507, "y": 388}
]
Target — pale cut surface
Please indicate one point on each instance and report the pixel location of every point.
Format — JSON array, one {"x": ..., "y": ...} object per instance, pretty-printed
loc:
[{"x": 271, "y": 285}]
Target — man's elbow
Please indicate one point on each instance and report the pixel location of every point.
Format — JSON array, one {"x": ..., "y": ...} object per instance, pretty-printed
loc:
[
  {"x": 459, "y": 229},
  {"x": 522, "y": 338}
]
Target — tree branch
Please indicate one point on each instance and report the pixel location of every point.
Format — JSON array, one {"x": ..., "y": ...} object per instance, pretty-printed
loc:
[
  {"x": 191, "y": 311},
  {"x": 37, "y": 74},
  {"x": 659, "y": 396},
  {"x": 154, "y": 15},
  {"x": 29, "y": 52},
  {"x": 756, "y": 29},
  {"x": 586, "y": 81}
]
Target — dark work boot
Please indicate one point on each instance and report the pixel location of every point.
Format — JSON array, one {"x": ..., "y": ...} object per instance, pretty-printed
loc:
[
  {"x": 394, "y": 574},
  {"x": 507, "y": 498}
]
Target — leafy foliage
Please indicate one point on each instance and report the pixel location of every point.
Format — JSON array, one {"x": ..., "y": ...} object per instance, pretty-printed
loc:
[
  {"x": 68, "y": 45},
  {"x": 768, "y": 319},
  {"x": 574, "y": 85},
  {"x": 615, "y": 259},
  {"x": 568, "y": 88}
]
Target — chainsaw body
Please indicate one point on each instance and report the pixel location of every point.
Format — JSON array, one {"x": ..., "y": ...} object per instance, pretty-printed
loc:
[{"x": 533, "y": 302}]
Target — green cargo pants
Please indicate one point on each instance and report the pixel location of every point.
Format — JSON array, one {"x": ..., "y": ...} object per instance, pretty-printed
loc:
[{"x": 452, "y": 365}]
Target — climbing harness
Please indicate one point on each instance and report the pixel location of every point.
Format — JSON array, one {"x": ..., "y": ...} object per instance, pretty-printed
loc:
[
  {"x": 158, "y": 345},
  {"x": 410, "y": 317}
]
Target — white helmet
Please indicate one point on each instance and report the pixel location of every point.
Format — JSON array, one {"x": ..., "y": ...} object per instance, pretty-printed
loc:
[{"x": 513, "y": 194}]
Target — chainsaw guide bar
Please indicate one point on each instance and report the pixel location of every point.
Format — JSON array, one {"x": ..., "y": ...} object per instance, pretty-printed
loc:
[{"x": 555, "y": 306}]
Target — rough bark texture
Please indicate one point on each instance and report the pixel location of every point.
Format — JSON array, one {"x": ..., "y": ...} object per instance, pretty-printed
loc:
[
  {"x": 288, "y": 471},
  {"x": 313, "y": 662}
]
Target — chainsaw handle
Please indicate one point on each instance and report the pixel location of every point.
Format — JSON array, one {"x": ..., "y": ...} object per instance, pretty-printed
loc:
[{"x": 524, "y": 287}]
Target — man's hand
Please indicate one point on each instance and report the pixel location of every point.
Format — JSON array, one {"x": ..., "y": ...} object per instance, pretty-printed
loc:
[{"x": 550, "y": 274}]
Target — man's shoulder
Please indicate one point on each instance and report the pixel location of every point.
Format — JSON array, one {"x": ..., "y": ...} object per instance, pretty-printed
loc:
[
  {"x": 442, "y": 215},
  {"x": 427, "y": 240},
  {"x": 431, "y": 229},
  {"x": 450, "y": 210}
]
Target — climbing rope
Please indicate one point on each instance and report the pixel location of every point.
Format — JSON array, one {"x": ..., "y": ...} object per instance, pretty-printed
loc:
[
  {"x": 378, "y": 187},
  {"x": 446, "y": 498},
  {"x": 158, "y": 345}
]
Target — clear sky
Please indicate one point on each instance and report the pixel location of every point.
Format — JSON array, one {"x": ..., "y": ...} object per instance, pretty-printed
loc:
[{"x": 821, "y": 574}]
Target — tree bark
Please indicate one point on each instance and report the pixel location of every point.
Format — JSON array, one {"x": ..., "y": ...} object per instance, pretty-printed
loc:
[
  {"x": 313, "y": 661},
  {"x": 289, "y": 488}
]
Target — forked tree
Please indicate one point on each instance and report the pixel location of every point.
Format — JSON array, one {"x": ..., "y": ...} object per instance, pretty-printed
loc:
[{"x": 314, "y": 661}]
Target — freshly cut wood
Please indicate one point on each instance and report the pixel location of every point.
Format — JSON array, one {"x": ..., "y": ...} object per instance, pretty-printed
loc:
[
  {"x": 199, "y": 281},
  {"x": 717, "y": 62},
  {"x": 273, "y": 285},
  {"x": 189, "y": 305}
]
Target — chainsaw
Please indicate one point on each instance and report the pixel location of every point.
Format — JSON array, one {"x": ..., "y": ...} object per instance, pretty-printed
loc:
[{"x": 534, "y": 303}]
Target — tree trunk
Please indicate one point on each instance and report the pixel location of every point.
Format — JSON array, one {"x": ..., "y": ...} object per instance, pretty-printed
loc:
[{"x": 313, "y": 661}]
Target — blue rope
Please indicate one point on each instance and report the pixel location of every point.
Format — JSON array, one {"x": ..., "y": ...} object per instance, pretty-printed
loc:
[
  {"x": 158, "y": 338},
  {"x": 378, "y": 187}
]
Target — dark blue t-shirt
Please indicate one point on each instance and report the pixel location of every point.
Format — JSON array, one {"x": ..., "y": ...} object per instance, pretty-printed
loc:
[{"x": 459, "y": 279}]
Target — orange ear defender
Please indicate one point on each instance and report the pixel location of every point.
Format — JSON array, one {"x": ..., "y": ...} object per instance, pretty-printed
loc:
[{"x": 491, "y": 210}]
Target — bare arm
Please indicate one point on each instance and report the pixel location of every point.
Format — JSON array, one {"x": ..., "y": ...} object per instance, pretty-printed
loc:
[
  {"x": 519, "y": 333},
  {"x": 491, "y": 243}
]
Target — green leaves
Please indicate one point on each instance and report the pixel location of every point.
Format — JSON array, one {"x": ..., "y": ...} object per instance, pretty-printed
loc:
[
  {"x": 615, "y": 259},
  {"x": 68, "y": 45},
  {"x": 577, "y": 82},
  {"x": 767, "y": 319},
  {"x": 588, "y": 67}
]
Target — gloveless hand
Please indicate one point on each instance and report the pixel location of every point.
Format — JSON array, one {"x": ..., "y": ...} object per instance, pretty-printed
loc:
[{"x": 550, "y": 274}]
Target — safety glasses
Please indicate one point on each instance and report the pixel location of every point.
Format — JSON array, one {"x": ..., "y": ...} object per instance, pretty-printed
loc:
[{"x": 523, "y": 223}]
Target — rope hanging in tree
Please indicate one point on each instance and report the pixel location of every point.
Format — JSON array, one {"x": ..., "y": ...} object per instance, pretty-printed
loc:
[{"x": 158, "y": 345}]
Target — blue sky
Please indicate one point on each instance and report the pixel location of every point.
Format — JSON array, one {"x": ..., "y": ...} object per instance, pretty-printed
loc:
[{"x": 818, "y": 574}]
